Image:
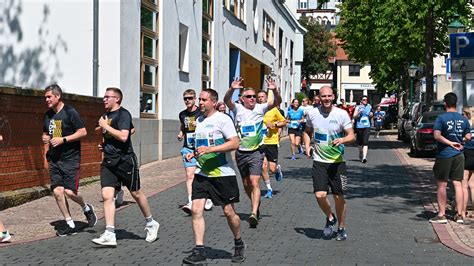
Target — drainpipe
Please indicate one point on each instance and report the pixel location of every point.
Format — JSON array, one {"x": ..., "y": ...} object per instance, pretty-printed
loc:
[{"x": 95, "y": 49}]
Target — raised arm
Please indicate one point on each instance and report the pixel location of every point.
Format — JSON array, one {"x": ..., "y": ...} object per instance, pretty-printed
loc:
[
  {"x": 236, "y": 84},
  {"x": 271, "y": 85}
]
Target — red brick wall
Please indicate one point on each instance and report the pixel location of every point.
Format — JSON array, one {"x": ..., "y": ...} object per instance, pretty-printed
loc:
[{"x": 22, "y": 160}]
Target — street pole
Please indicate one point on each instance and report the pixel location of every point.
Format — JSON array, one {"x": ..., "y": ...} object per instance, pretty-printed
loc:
[
  {"x": 464, "y": 89},
  {"x": 411, "y": 90}
]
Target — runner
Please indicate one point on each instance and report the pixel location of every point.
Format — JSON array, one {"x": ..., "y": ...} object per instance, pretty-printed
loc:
[
  {"x": 188, "y": 117},
  {"x": 119, "y": 167},
  {"x": 295, "y": 118},
  {"x": 273, "y": 121},
  {"x": 249, "y": 121},
  {"x": 215, "y": 177},
  {"x": 332, "y": 129},
  {"x": 62, "y": 130},
  {"x": 379, "y": 117},
  {"x": 316, "y": 101},
  {"x": 362, "y": 115},
  {"x": 451, "y": 129}
]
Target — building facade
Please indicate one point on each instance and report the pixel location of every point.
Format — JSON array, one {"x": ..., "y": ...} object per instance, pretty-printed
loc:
[{"x": 153, "y": 50}]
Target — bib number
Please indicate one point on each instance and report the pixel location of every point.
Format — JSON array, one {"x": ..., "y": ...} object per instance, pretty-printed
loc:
[
  {"x": 365, "y": 121},
  {"x": 294, "y": 123},
  {"x": 248, "y": 129},
  {"x": 321, "y": 138},
  {"x": 190, "y": 137}
]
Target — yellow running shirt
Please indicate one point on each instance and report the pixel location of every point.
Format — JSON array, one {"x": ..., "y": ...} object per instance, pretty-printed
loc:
[{"x": 272, "y": 117}]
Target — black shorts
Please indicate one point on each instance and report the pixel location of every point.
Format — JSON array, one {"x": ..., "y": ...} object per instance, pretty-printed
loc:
[
  {"x": 65, "y": 174},
  {"x": 271, "y": 152},
  {"x": 378, "y": 127},
  {"x": 295, "y": 131},
  {"x": 469, "y": 159},
  {"x": 327, "y": 175},
  {"x": 363, "y": 136},
  {"x": 124, "y": 173},
  {"x": 449, "y": 168},
  {"x": 221, "y": 190},
  {"x": 249, "y": 162}
]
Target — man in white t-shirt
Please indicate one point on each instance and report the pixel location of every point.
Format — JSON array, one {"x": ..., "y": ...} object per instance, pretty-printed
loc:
[
  {"x": 250, "y": 127},
  {"x": 215, "y": 138},
  {"x": 331, "y": 128}
]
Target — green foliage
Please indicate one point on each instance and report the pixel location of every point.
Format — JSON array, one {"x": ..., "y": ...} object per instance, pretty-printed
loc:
[
  {"x": 390, "y": 34},
  {"x": 318, "y": 48},
  {"x": 300, "y": 96}
]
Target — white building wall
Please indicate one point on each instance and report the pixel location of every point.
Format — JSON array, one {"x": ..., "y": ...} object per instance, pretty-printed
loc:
[{"x": 50, "y": 41}]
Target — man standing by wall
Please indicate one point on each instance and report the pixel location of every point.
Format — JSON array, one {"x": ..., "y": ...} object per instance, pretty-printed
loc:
[
  {"x": 120, "y": 167},
  {"x": 451, "y": 129},
  {"x": 332, "y": 128},
  {"x": 63, "y": 128}
]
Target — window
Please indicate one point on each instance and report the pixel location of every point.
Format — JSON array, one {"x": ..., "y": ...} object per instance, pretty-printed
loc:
[
  {"x": 280, "y": 48},
  {"x": 354, "y": 70},
  {"x": 236, "y": 7},
  {"x": 268, "y": 29},
  {"x": 207, "y": 15},
  {"x": 183, "y": 49},
  {"x": 302, "y": 4},
  {"x": 149, "y": 59}
]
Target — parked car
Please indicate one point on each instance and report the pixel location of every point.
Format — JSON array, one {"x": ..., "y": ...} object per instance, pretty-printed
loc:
[
  {"x": 437, "y": 106},
  {"x": 409, "y": 119},
  {"x": 422, "y": 139},
  {"x": 391, "y": 115}
]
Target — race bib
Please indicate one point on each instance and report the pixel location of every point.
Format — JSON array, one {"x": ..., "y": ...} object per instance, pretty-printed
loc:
[
  {"x": 365, "y": 121},
  {"x": 201, "y": 140},
  {"x": 190, "y": 137},
  {"x": 248, "y": 129},
  {"x": 294, "y": 123},
  {"x": 321, "y": 137}
]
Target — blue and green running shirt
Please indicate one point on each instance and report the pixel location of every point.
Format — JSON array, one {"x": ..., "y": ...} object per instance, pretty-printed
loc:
[
  {"x": 250, "y": 127},
  {"x": 328, "y": 127},
  {"x": 213, "y": 131}
]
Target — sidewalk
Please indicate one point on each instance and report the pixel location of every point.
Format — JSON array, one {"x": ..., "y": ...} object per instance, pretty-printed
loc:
[
  {"x": 33, "y": 220},
  {"x": 453, "y": 235}
]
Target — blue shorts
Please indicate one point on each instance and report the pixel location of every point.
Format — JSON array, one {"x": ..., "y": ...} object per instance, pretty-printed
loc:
[{"x": 187, "y": 163}]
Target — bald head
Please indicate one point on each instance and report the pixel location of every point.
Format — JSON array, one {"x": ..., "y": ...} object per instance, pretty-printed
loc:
[{"x": 325, "y": 90}]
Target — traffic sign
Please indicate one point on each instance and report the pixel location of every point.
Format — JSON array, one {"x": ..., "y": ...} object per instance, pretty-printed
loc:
[{"x": 462, "y": 45}]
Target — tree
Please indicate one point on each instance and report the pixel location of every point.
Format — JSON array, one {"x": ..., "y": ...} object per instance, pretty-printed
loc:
[
  {"x": 318, "y": 48},
  {"x": 390, "y": 34}
]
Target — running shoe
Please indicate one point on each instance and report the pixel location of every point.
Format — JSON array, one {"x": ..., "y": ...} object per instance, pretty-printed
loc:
[
  {"x": 239, "y": 253},
  {"x": 198, "y": 257},
  {"x": 67, "y": 231},
  {"x": 439, "y": 220},
  {"x": 152, "y": 231},
  {"x": 364, "y": 160},
  {"x": 253, "y": 221},
  {"x": 5, "y": 237},
  {"x": 458, "y": 219},
  {"x": 119, "y": 198},
  {"x": 187, "y": 208},
  {"x": 293, "y": 158},
  {"x": 300, "y": 150},
  {"x": 269, "y": 194},
  {"x": 278, "y": 174},
  {"x": 328, "y": 228},
  {"x": 91, "y": 217},
  {"x": 106, "y": 239},
  {"x": 208, "y": 206},
  {"x": 341, "y": 234}
]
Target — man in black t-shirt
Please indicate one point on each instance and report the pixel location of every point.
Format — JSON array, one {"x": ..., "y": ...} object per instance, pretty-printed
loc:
[
  {"x": 120, "y": 167},
  {"x": 62, "y": 130},
  {"x": 188, "y": 118}
]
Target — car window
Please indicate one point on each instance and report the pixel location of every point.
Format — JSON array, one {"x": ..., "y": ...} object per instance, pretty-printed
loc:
[
  {"x": 438, "y": 107},
  {"x": 431, "y": 118}
]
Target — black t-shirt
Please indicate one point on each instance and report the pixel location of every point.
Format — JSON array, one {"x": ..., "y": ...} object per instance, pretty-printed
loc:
[
  {"x": 119, "y": 119},
  {"x": 188, "y": 124},
  {"x": 62, "y": 124}
]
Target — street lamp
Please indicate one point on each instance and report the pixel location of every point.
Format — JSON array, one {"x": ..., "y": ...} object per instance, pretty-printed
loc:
[
  {"x": 412, "y": 73},
  {"x": 456, "y": 25}
]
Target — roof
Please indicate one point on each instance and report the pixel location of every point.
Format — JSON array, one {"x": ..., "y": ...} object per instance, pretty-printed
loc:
[{"x": 340, "y": 53}]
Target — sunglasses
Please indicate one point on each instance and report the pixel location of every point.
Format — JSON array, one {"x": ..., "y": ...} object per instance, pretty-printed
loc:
[
  {"x": 250, "y": 96},
  {"x": 188, "y": 98}
]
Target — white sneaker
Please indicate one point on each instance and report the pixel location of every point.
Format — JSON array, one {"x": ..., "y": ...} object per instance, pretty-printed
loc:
[
  {"x": 106, "y": 239},
  {"x": 152, "y": 231},
  {"x": 5, "y": 238},
  {"x": 208, "y": 206},
  {"x": 187, "y": 208},
  {"x": 119, "y": 198}
]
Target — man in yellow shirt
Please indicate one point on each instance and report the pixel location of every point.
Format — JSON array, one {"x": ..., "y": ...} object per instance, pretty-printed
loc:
[{"x": 273, "y": 120}]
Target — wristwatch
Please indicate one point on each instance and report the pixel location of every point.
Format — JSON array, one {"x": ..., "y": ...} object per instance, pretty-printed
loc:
[
  {"x": 276, "y": 124},
  {"x": 64, "y": 140}
]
